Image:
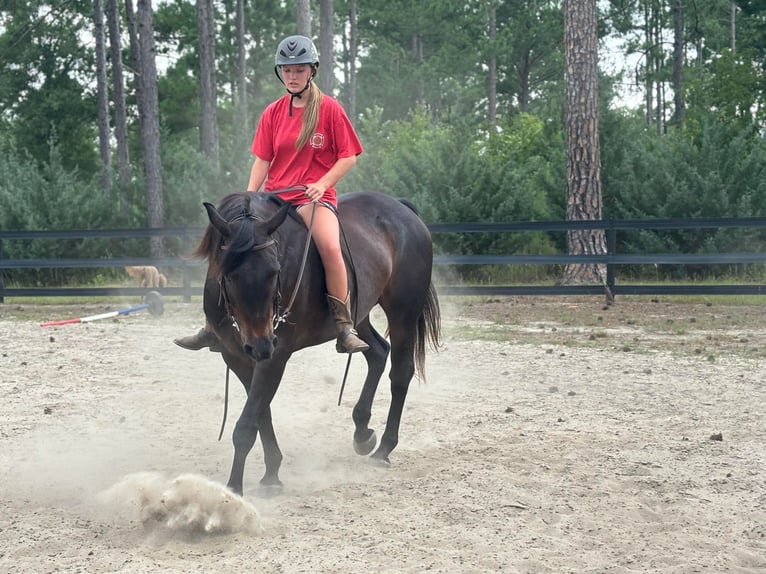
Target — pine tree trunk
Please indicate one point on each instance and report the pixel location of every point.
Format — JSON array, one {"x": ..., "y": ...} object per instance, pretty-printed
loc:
[
  {"x": 353, "y": 47},
  {"x": 648, "y": 86},
  {"x": 150, "y": 124},
  {"x": 242, "y": 116},
  {"x": 207, "y": 82},
  {"x": 118, "y": 98},
  {"x": 678, "y": 64},
  {"x": 417, "y": 55},
  {"x": 102, "y": 98},
  {"x": 659, "y": 106},
  {"x": 583, "y": 157},
  {"x": 303, "y": 17},
  {"x": 135, "y": 55},
  {"x": 326, "y": 56},
  {"x": 492, "y": 68}
]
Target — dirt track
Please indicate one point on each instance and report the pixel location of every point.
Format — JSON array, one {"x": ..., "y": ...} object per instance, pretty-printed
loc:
[{"x": 543, "y": 442}]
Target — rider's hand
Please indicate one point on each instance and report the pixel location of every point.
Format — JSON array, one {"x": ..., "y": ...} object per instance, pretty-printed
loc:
[{"x": 314, "y": 191}]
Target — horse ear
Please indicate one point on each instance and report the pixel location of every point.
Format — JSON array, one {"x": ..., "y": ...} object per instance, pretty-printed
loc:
[
  {"x": 277, "y": 219},
  {"x": 216, "y": 220}
]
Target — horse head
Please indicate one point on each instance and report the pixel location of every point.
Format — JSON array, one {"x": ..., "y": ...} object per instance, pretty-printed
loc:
[{"x": 243, "y": 254}]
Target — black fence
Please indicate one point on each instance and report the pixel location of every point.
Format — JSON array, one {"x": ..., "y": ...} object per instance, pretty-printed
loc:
[{"x": 611, "y": 259}]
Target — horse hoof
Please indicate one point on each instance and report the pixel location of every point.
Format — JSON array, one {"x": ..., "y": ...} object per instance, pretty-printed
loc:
[{"x": 365, "y": 447}]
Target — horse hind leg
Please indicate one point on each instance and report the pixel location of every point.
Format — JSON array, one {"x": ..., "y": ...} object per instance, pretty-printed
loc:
[
  {"x": 402, "y": 371},
  {"x": 365, "y": 438}
]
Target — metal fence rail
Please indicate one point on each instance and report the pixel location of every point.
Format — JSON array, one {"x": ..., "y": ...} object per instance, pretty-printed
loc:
[{"x": 612, "y": 259}]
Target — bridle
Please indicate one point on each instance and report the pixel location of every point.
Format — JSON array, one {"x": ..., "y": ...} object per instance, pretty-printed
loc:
[
  {"x": 223, "y": 294},
  {"x": 279, "y": 316}
]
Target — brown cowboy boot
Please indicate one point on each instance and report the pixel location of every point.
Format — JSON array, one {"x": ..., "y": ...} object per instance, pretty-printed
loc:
[
  {"x": 201, "y": 339},
  {"x": 348, "y": 339}
]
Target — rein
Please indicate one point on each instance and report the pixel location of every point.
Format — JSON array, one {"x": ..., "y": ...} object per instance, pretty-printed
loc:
[{"x": 282, "y": 317}]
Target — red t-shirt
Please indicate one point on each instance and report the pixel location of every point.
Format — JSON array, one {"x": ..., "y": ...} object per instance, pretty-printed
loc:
[{"x": 275, "y": 139}]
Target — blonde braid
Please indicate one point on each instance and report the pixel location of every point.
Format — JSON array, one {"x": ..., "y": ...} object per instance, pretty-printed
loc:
[{"x": 310, "y": 115}]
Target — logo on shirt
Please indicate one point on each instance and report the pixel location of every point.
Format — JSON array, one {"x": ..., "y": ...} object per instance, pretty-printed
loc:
[{"x": 317, "y": 140}]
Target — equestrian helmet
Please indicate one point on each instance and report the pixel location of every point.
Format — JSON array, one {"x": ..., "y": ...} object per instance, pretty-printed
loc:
[{"x": 296, "y": 50}]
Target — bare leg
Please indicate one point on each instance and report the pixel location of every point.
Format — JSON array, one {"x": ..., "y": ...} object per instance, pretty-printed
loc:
[{"x": 325, "y": 231}]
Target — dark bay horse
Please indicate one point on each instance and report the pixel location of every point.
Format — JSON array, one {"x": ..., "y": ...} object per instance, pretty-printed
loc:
[{"x": 254, "y": 246}]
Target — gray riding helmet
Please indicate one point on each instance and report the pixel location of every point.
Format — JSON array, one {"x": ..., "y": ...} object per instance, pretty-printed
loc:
[{"x": 295, "y": 50}]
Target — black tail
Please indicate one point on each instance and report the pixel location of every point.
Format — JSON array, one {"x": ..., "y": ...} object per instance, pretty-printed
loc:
[{"x": 428, "y": 331}]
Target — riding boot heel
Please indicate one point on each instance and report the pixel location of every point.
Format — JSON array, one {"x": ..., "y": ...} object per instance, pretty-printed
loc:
[
  {"x": 348, "y": 340},
  {"x": 201, "y": 339}
]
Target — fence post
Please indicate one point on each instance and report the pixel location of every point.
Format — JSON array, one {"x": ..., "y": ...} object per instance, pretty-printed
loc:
[
  {"x": 185, "y": 271},
  {"x": 2, "y": 285},
  {"x": 611, "y": 249}
]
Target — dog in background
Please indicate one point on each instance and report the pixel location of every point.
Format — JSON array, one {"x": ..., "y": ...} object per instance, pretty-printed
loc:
[{"x": 147, "y": 276}]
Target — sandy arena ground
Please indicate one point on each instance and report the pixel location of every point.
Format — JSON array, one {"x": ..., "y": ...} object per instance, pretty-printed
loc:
[{"x": 537, "y": 445}]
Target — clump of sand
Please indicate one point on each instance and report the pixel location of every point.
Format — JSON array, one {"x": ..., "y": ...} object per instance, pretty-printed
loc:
[{"x": 186, "y": 504}]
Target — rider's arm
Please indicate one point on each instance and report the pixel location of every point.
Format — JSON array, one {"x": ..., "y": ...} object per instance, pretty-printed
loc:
[
  {"x": 258, "y": 174},
  {"x": 337, "y": 171}
]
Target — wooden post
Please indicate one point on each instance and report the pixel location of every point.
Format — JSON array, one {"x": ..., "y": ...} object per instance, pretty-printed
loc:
[
  {"x": 611, "y": 249},
  {"x": 185, "y": 272},
  {"x": 2, "y": 285}
]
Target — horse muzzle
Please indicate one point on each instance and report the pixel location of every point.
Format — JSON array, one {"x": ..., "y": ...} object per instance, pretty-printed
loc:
[{"x": 260, "y": 348}]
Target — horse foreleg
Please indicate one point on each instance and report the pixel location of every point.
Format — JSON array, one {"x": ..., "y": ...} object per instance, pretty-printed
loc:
[
  {"x": 272, "y": 456},
  {"x": 256, "y": 414},
  {"x": 364, "y": 437},
  {"x": 402, "y": 370},
  {"x": 243, "y": 437}
]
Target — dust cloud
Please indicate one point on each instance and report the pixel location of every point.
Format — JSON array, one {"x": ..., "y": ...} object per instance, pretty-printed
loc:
[{"x": 186, "y": 504}]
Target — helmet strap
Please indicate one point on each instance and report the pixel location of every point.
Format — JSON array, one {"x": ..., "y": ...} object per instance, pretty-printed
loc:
[{"x": 298, "y": 95}]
